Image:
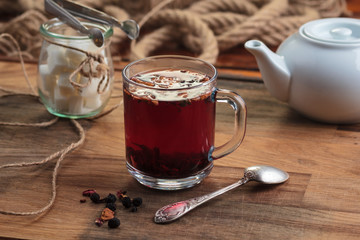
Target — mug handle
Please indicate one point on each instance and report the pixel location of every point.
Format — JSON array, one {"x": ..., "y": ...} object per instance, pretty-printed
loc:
[{"x": 239, "y": 107}]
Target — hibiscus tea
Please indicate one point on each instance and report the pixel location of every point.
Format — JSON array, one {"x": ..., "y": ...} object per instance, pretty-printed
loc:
[{"x": 169, "y": 123}]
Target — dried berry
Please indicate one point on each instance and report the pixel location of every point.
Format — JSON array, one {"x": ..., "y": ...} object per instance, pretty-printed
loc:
[
  {"x": 107, "y": 214},
  {"x": 114, "y": 223},
  {"x": 99, "y": 222},
  {"x": 88, "y": 193},
  {"x": 120, "y": 194},
  {"x": 111, "y": 198},
  {"x": 137, "y": 201},
  {"x": 95, "y": 197},
  {"x": 126, "y": 201},
  {"x": 111, "y": 206}
]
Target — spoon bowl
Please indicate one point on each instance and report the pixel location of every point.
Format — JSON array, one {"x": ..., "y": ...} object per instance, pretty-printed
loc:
[
  {"x": 130, "y": 27},
  {"x": 97, "y": 36},
  {"x": 261, "y": 173},
  {"x": 266, "y": 174}
]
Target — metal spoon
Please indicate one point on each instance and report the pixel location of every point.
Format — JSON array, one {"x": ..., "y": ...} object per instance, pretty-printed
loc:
[
  {"x": 130, "y": 27},
  {"x": 263, "y": 174},
  {"x": 94, "y": 33}
]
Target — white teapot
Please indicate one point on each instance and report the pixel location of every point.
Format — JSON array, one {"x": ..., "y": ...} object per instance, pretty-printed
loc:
[{"x": 316, "y": 70}]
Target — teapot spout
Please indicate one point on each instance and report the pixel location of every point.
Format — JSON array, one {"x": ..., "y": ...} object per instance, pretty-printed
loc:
[{"x": 274, "y": 71}]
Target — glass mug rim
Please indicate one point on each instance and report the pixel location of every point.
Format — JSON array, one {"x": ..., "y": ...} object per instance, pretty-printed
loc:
[{"x": 176, "y": 57}]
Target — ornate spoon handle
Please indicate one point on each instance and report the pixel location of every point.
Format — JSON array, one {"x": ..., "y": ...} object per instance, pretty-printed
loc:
[{"x": 174, "y": 211}]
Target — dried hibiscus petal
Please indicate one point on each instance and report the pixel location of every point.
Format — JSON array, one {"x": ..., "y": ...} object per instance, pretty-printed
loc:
[
  {"x": 87, "y": 193},
  {"x": 99, "y": 222},
  {"x": 107, "y": 214},
  {"x": 120, "y": 194}
]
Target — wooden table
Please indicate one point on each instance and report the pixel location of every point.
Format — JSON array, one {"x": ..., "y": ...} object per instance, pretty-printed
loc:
[{"x": 319, "y": 201}]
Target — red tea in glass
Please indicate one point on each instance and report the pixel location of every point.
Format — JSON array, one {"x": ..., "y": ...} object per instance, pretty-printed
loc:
[
  {"x": 168, "y": 138},
  {"x": 169, "y": 117}
]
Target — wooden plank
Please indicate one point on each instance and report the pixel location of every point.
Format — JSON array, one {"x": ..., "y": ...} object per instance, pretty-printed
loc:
[{"x": 320, "y": 201}]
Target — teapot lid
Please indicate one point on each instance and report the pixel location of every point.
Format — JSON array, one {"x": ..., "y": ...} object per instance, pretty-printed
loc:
[{"x": 333, "y": 30}]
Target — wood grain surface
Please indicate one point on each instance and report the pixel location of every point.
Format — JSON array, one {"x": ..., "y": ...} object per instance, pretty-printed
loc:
[{"x": 320, "y": 200}]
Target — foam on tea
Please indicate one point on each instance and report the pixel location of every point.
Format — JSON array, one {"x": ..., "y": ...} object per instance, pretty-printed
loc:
[{"x": 169, "y": 79}]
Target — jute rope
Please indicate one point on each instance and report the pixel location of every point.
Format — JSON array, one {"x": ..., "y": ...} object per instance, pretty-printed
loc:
[
  {"x": 61, "y": 155},
  {"x": 25, "y": 29},
  {"x": 17, "y": 48},
  {"x": 198, "y": 29},
  {"x": 102, "y": 71},
  {"x": 205, "y": 27},
  {"x": 208, "y": 27}
]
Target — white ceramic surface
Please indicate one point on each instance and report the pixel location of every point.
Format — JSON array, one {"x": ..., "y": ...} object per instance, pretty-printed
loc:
[{"x": 316, "y": 70}]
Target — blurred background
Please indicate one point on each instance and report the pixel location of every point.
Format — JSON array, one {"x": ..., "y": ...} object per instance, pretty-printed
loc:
[{"x": 214, "y": 30}]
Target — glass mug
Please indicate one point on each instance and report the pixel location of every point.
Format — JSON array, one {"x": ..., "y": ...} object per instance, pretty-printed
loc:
[
  {"x": 57, "y": 63},
  {"x": 169, "y": 120}
]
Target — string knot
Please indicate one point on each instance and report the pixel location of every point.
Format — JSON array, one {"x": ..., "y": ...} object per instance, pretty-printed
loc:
[
  {"x": 96, "y": 56},
  {"x": 93, "y": 66}
]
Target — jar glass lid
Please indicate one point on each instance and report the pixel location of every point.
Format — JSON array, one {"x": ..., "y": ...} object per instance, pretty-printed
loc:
[{"x": 333, "y": 30}]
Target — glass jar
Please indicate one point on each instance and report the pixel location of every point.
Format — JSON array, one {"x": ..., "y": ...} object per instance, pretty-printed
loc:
[{"x": 64, "y": 84}]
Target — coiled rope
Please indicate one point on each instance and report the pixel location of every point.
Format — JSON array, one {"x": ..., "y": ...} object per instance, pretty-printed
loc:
[{"x": 205, "y": 27}]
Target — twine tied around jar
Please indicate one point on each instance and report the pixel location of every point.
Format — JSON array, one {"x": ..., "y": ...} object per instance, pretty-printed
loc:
[{"x": 87, "y": 68}]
